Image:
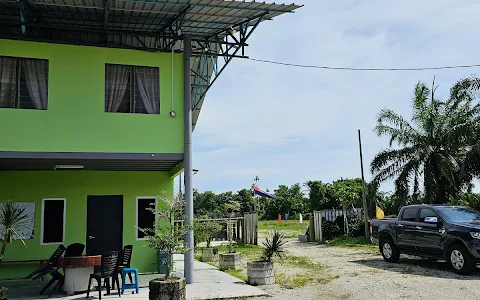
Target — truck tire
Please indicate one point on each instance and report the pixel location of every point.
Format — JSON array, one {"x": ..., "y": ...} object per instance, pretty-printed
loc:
[
  {"x": 460, "y": 259},
  {"x": 389, "y": 250}
]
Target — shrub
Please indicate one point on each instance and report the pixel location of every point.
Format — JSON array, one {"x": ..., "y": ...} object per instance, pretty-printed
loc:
[{"x": 330, "y": 230}]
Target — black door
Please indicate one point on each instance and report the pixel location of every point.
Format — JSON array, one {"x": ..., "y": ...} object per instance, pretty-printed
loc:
[
  {"x": 428, "y": 235},
  {"x": 104, "y": 224},
  {"x": 406, "y": 228}
]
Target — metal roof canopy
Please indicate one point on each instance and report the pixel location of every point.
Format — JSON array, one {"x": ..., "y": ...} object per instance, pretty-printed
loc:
[{"x": 217, "y": 28}]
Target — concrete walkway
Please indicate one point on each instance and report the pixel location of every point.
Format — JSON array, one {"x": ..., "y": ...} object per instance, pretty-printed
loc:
[{"x": 209, "y": 283}]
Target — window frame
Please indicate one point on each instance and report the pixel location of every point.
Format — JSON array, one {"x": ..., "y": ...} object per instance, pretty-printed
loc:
[
  {"x": 136, "y": 214},
  {"x": 16, "y": 100},
  {"x": 416, "y": 214},
  {"x": 64, "y": 220},
  {"x": 132, "y": 89}
]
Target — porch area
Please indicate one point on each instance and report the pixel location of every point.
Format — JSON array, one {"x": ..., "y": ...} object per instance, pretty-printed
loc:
[{"x": 209, "y": 283}]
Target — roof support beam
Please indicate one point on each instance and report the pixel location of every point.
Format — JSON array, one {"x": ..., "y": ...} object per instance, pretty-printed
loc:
[
  {"x": 200, "y": 91},
  {"x": 105, "y": 14},
  {"x": 24, "y": 14}
]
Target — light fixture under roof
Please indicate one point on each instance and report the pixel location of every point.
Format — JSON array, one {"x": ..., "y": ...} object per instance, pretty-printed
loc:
[{"x": 68, "y": 167}]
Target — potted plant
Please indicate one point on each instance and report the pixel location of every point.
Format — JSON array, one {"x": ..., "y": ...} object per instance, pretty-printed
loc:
[
  {"x": 205, "y": 230},
  {"x": 261, "y": 272},
  {"x": 231, "y": 259},
  {"x": 14, "y": 219},
  {"x": 165, "y": 237}
]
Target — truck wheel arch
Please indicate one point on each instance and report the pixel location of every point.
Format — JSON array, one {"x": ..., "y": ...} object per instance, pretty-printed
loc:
[
  {"x": 451, "y": 241},
  {"x": 385, "y": 235}
]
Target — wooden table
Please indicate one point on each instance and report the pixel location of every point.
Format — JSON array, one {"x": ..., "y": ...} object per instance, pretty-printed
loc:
[{"x": 77, "y": 272}]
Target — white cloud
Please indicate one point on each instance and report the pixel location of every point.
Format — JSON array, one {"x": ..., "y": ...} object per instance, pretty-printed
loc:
[{"x": 289, "y": 125}]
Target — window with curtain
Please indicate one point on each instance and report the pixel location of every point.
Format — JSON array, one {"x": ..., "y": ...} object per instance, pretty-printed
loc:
[
  {"x": 23, "y": 83},
  {"x": 132, "y": 89}
]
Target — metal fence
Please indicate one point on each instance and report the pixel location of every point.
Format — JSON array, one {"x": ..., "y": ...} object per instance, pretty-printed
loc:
[{"x": 332, "y": 214}]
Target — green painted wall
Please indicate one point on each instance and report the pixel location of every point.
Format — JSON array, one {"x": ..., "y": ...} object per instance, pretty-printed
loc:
[
  {"x": 75, "y": 186},
  {"x": 75, "y": 120}
]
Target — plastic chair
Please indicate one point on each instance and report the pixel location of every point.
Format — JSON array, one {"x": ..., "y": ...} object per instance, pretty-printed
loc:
[
  {"x": 125, "y": 262},
  {"x": 109, "y": 269},
  {"x": 75, "y": 249},
  {"x": 132, "y": 285}
]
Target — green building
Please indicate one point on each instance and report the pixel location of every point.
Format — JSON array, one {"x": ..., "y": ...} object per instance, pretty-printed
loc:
[{"x": 98, "y": 101}]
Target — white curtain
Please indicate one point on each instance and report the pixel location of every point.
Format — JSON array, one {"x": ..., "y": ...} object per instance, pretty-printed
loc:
[
  {"x": 147, "y": 80},
  {"x": 36, "y": 71},
  {"x": 8, "y": 75},
  {"x": 116, "y": 82}
]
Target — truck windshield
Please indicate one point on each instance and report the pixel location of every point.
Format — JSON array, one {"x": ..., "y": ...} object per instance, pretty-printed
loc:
[{"x": 459, "y": 214}]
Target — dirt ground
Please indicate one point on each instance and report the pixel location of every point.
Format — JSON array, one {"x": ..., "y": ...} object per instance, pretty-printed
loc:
[{"x": 357, "y": 274}]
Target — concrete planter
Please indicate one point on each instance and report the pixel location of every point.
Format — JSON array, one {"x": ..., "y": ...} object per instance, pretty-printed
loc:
[
  {"x": 260, "y": 273},
  {"x": 303, "y": 238},
  {"x": 209, "y": 254},
  {"x": 3, "y": 293},
  {"x": 172, "y": 289},
  {"x": 230, "y": 261}
]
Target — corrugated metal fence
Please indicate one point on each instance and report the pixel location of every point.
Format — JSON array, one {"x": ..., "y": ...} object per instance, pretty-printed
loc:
[{"x": 332, "y": 214}]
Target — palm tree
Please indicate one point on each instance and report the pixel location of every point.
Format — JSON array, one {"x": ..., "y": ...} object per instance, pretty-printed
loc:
[
  {"x": 13, "y": 220},
  {"x": 430, "y": 148}
]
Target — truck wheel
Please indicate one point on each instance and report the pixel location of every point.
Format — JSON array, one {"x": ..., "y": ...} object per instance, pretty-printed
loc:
[
  {"x": 460, "y": 260},
  {"x": 389, "y": 251}
]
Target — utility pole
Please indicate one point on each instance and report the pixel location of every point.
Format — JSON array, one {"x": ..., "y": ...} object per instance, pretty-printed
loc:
[{"x": 364, "y": 193}]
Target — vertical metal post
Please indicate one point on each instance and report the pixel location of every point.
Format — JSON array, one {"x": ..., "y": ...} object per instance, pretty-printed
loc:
[
  {"x": 365, "y": 213},
  {"x": 187, "y": 159}
]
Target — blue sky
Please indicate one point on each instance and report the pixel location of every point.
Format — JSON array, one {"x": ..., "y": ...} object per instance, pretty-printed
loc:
[{"x": 289, "y": 125}]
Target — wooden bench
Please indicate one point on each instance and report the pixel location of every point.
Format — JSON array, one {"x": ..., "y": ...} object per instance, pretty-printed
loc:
[{"x": 41, "y": 261}]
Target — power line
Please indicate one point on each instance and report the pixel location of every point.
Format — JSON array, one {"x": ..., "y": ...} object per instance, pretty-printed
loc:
[{"x": 363, "y": 69}]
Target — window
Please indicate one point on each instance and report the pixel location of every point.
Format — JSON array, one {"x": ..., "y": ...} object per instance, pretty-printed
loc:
[
  {"x": 23, "y": 83},
  {"x": 132, "y": 89},
  {"x": 426, "y": 212},
  {"x": 409, "y": 214},
  {"x": 53, "y": 221},
  {"x": 145, "y": 217}
]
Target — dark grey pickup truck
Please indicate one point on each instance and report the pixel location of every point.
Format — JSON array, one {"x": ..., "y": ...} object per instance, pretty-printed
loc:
[{"x": 433, "y": 231}]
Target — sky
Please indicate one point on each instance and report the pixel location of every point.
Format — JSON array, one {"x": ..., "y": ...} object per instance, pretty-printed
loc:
[{"x": 289, "y": 125}]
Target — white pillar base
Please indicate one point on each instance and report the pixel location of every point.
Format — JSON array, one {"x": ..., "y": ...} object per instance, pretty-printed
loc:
[{"x": 76, "y": 279}]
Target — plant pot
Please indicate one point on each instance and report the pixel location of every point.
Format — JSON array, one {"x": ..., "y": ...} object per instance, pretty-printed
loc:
[
  {"x": 171, "y": 289},
  {"x": 230, "y": 261},
  {"x": 3, "y": 293},
  {"x": 303, "y": 238},
  {"x": 260, "y": 273},
  {"x": 209, "y": 254}
]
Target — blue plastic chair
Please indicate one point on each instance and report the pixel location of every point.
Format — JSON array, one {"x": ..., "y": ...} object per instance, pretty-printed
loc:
[{"x": 131, "y": 285}]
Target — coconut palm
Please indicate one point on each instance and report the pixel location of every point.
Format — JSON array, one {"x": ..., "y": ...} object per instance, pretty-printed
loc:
[
  {"x": 13, "y": 220},
  {"x": 430, "y": 148}
]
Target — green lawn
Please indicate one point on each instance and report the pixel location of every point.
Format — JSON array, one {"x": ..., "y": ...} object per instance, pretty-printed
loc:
[
  {"x": 290, "y": 225},
  {"x": 360, "y": 243}
]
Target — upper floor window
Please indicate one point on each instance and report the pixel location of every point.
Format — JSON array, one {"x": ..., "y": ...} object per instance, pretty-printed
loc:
[
  {"x": 23, "y": 83},
  {"x": 132, "y": 89}
]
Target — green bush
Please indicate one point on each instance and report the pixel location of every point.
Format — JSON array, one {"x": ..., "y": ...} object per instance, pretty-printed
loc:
[{"x": 330, "y": 230}]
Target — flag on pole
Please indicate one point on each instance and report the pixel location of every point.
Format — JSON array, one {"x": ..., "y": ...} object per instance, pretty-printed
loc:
[
  {"x": 379, "y": 211},
  {"x": 258, "y": 192}
]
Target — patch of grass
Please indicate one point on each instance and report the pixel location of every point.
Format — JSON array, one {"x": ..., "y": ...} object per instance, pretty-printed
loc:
[
  {"x": 327, "y": 279},
  {"x": 359, "y": 243},
  {"x": 302, "y": 262},
  {"x": 290, "y": 225},
  {"x": 247, "y": 252},
  {"x": 292, "y": 282},
  {"x": 237, "y": 273}
]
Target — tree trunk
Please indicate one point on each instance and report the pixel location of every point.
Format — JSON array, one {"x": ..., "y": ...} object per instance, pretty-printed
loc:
[{"x": 2, "y": 252}]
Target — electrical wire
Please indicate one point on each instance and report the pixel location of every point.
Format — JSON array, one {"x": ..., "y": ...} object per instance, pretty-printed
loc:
[{"x": 362, "y": 69}]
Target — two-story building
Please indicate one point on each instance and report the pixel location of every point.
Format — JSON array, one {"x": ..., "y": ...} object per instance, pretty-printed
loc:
[{"x": 97, "y": 104}]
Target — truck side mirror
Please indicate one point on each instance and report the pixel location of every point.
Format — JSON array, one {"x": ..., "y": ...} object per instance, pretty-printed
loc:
[{"x": 433, "y": 220}]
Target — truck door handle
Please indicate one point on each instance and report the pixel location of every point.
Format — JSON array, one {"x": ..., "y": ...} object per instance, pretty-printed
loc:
[
  {"x": 400, "y": 225},
  {"x": 418, "y": 227}
]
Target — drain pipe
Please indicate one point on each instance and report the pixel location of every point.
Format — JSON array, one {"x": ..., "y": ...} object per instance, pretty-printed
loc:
[{"x": 187, "y": 157}]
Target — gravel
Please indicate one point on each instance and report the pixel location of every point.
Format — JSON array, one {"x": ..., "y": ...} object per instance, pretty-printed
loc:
[{"x": 357, "y": 274}]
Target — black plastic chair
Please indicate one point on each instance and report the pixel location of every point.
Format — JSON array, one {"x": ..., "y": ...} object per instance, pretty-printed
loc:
[
  {"x": 109, "y": 269},
  {"x": 75, "y": 249},
  {"x": 125, "y": 262},
  {"x": 50, "y": 267}
]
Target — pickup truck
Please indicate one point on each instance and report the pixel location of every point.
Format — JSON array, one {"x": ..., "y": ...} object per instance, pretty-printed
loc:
[{"x": 431, "y": 231}]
